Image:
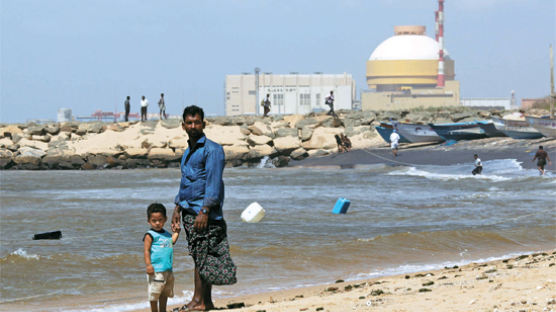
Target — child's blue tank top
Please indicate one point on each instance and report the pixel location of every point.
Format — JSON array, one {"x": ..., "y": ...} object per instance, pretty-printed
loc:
[{"x": 162, "y": 251}]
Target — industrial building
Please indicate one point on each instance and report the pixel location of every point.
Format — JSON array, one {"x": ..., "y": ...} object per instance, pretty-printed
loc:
[{"x": 289, "y": 94}]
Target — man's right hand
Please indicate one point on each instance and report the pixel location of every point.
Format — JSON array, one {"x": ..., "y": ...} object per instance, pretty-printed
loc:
[{"x": 176, "y": 219}]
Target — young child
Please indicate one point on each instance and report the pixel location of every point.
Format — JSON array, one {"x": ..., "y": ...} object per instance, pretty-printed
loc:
[{"x": 159, "y": 254}]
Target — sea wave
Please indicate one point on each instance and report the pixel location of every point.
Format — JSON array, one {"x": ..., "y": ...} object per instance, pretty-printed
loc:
[
  {"x": 497, "y": 170},
  {"x": 21, "y": 254}
]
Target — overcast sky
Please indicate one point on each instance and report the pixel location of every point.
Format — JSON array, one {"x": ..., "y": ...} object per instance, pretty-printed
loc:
[{"x": 88, "y": 55}]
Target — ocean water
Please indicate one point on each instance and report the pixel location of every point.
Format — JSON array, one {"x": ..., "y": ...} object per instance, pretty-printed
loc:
[{"x": 401, "y": 219}]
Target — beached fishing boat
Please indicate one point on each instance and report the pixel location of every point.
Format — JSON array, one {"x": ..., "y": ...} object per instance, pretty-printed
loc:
[
  {"x": 385, "y": 130},
  {"x": 415, "y": 133},
  {"x": 516, "y": 129},
  {"x": 459, "y": 131},
  {"x": 544, "y": 125},
  {"x": 489, "y": 129}
]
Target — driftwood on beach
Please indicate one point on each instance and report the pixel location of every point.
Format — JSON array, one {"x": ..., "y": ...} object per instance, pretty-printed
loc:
[{"x": 160, "y": 144}]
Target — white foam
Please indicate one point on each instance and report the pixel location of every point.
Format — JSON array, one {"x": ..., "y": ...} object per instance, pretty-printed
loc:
[
  {"x": 412, "y": 171},
  {"x": 493, "y": 170},
  {"x": 22, "y": 253}
]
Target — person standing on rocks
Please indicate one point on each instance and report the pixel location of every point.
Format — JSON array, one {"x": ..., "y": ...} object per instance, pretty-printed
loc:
[
  {"x": 394, "y": 141},
  {"x": 330, "y": 102},
  {"x": 144, "y": 104},
  {"x": 162, "y": 107},
  {"x": 542, "y": 157},
  {"x": 127, "y": 107},
  {"x": 266, "y": 105},
  {"x": 199, "y": 204}
]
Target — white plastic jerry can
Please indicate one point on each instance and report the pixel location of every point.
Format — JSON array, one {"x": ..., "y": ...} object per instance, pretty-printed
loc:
[{"x": 253, "y": 213}]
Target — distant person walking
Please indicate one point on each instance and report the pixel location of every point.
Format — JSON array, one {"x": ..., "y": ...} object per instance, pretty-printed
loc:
[
  {"x": 330, "y": 102},
  {"x": 542, "y": 157},
  {"x": 162, "y": 107},
  {"x": 266, "y": 105},
  {"x": 144, "y": 104},
  {"x": 478, "y": 165},
  {"x": 394, "y": 141},
  {"x": 127, "y": 106}
]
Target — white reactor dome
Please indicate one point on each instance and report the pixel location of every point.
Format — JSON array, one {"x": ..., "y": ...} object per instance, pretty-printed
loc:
[{"x": 407, "y": 46}]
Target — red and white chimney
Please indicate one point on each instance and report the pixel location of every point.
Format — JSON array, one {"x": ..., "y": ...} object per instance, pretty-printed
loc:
[{"x": 440, "y": 38}]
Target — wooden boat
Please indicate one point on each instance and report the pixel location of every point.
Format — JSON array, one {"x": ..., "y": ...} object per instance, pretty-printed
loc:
[
  {"x": 490, "y": 130},
  {"x": 516, "y": 129},
  {"x": 385, "y": 130},
  {"x": 415, "y": 133},
  {"x": 544, "y": 125},
  {"x": 459, "y": 131}
]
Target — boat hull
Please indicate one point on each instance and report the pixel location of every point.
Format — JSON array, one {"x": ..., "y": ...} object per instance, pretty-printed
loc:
[
  {"x": 415, "y": 133},
  {"x": 545, "y": 126},
  {"x": 459, "y": 131},
  {"x": 490, "y": 130},
  {"x": 517, "y": 129},
  {"x": 386, "y": 132}
]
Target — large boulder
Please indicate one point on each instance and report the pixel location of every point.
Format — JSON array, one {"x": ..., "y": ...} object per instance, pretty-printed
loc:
[
  {"x": 306, "y": 122},
  {"x": 299, "y": 154},
  {"x": 286, "y": 145},
  {"x": 136, "y": 152},
  {"x": 171, "y": 123},
  {"x": 61, "y": 159},
  {"x": 52, "y": 129},
  {"x": 69, "y": 126},
  {"x": 258, "y": 140},
  {"x": 164, "y": 154},
  {"x": 280, "y": 161},
  {"x": 33, "y": 144},
  {"x": 284, "y": 132},
  {"x": 35, "y": 130},
  {"x": 5, "y": 158},
  {"x": 234, "y": 152},
  {"x": 260, "y": 128},
  {"x": 322, "y": 138},
  {"x": 260, "y": 151},
  {"x": 10, "y": 130},
  {"x": 95, "y": 161},
  {"x": 229, "y": 135},
  {"x": 306, "y": 133},
  {"x": 43, "y": 138},
  {"x": 178, "y": 143},
  {"x": 5, "y": 142},
  {"x": 292, "y": 120},
  {"x": 29, "y": 158}
]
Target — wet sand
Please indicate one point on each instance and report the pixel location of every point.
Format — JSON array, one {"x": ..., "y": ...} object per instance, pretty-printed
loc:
[
  {"x": 439, "y": 154},
  {"x": 520, "y": 283}
]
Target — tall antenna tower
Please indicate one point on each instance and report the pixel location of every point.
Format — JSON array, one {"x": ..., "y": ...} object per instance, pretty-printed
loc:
[
  {"x": 552, "y": 94},
  {"x": 440, "y": 38}
]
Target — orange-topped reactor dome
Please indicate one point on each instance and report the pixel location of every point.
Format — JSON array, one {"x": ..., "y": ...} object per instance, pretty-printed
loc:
[{"x": 407, "y": 60}]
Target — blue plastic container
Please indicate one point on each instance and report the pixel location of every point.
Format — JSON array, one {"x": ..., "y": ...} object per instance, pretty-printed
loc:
[{"x": 341, "y": 206}]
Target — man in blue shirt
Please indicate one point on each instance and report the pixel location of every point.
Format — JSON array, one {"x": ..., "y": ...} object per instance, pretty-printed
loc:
[{"x": 199, "y": 203}]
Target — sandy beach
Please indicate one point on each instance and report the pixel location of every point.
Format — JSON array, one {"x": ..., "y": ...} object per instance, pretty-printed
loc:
[{"x": 520, "y": 283}]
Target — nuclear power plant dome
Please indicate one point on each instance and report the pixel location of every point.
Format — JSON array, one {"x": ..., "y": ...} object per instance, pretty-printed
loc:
[
  {"x": 409, "y": 59},
  {"x": 408, "y": 43}
]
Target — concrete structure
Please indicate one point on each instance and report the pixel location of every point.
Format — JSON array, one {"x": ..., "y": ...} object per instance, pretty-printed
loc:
[
  {"x": 64, "y": 115},
  {"x": 289, "y": 94},
  {"x": 403, "y": 73}
]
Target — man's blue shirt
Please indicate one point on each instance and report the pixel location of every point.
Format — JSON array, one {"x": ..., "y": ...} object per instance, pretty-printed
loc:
[{"x": 201, "y": 178}]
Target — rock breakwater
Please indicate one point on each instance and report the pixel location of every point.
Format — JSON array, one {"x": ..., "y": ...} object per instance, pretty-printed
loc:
[{"x": 160, "y": 144}]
